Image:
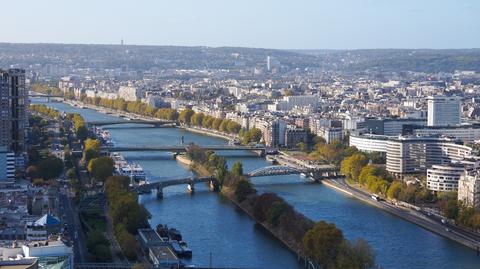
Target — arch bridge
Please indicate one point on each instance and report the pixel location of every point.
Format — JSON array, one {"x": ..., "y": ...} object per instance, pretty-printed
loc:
[
  {"x": 189, "y": 181},
  {"x": 317, "y": 172}
]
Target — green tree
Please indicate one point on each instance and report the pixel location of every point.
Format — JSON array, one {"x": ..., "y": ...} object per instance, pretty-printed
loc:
[
  {"x": 90, "y": 154},
  {"x": 101, "y": 168},
  {"x": 233, "y": 127},
  {"x": 451, "y": 209},
  {"x": 243, "y": 189},
  {"x": 322, "y": 243},
  {"x": 302, "y": 147},
  {"x": 355, "y": 255},
  {"x": 237, "y": 169},
  {"x": 197, "y": 119},
  {"x": 352, "y": 166},
  {"x": 81, "y": 132},
  {"x": 395, "y": 189},
  {"x": 216, "y": 124},
  {"x": 92, "y": 144},
  {"x": 185, "y": 116},
  {"x": 50, "y": 168},
  {"x": 276, "y": 211}
]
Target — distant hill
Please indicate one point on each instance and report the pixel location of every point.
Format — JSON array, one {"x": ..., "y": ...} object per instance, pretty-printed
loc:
[
  {"x": 418, "y": 60},
  {"x": 178, "y": 57}
]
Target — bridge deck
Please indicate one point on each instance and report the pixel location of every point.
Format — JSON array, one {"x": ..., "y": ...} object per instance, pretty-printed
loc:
[
  {"x": 181, "y": 181},
  {"x": 182, "y": 148}
]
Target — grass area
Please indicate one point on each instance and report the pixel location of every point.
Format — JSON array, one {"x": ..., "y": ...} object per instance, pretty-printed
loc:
[{"x": 94, "y": 222}]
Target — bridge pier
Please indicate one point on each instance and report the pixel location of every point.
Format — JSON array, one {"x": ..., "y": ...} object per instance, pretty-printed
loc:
[
  {"x": 159, "y": 193},
  {"x": 191, "y": 187},
  {"x": 213, "y": 185}
]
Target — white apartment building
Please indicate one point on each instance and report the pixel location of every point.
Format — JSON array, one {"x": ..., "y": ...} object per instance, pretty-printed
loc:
[
  {"x": 369, "y": 142},
  {"x": 331, "y": 134},
  {"x": 443, "y": 110},
  {"x": 416, "y": 154},
  {"x": 129, "y": 93},
  {"x": 444, "y": 177},
  {"x": 469, "y": 189},
  {"x": 289, "y": 102}
]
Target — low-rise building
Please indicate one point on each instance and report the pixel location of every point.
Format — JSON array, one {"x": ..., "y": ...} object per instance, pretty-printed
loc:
[
  {"x": 295, "y": 136},
  {"x": 444, "y": 177},
  {"x": 469, "y": 189},
  {"x": 129, "y": 93},
  {"x": 331, "y": 134}
]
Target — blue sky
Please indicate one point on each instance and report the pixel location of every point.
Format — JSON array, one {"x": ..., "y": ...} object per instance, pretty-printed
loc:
[{"x": 294, "y": 24}]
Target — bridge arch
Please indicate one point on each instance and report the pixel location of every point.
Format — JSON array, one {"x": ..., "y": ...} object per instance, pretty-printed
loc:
[{"x": 275, "y": 170}]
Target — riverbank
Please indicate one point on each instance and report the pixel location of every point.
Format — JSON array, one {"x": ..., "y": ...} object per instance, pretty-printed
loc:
[
  {"x": 417, "y": 217},
  {"x": 403, "y": 213}
]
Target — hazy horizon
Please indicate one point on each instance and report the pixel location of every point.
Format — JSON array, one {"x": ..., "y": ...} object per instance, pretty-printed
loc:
[
  {"x": 280, "y": 24},
  {"x": 204, "y": 46}
]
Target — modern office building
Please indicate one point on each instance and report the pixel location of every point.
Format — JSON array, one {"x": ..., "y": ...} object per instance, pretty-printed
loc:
[
  {"x": 389, "y": 126},
  {"x": 407, "y": 155},
  {"x": 13, "y": 113},
  {"x": 7, "y": 165},
  {"x": 469, "y": 189},
  {"x": 444, "y": 177},
  {"x": 443, "y": 110},
  {"x": 464, "y": 132}
]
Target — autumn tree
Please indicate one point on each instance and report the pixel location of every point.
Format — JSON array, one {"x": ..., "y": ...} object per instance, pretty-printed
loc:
[
  {"x": 322, "y": 243},
  {"x": 101, "y": 168},
  {"x": 185, "y": 116},
  {"x": 352, "y": 166}
]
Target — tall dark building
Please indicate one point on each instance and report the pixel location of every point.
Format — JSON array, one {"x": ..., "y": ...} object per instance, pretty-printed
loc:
[{"x": 13, "y": 106}]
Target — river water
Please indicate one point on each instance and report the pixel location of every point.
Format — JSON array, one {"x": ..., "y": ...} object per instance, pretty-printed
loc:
[{"x": 222, "y": 235}]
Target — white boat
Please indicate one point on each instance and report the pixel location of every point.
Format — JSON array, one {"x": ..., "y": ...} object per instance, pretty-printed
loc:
[
  {"x": 303, "y": 175},
  {"x": 135, "y": 172}
]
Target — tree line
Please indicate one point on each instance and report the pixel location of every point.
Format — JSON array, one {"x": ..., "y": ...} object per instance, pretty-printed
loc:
[
  {"x": 186, "y": 116},
  {"x": 126, "y": 213},
  {"x": 45, "y": 110},
  {"x": 43, "y": 166}
]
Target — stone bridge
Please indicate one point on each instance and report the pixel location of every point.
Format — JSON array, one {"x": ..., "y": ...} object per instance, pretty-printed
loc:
[{"x": 190, "y": 181}]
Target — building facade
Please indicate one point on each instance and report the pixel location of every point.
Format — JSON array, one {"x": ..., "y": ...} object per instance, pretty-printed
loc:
[
  {"x": 408, "y": 155},
  {"x": 389, "y": 126},
  {"x": 295, "y": 136},
  {"x": 129, "y": 93},
  {"x": 13, "y": 115},
  {"x": 443, "y": 110},
  {"x": 444, "y": 177},
  {"x": 331, "y": 134},
  {"x": 369, "y": 142},
  {"x": 469, "y": 189},
  {"x": 7, "y": 165}
]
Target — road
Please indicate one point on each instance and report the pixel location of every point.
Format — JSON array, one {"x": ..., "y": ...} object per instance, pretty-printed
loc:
[
  {"x": 421, "y": 217},
  {"x": 74, "y": 228}
]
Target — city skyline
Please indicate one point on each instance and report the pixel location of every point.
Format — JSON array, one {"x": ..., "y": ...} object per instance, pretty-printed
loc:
[{"x": 345, "y": 24}]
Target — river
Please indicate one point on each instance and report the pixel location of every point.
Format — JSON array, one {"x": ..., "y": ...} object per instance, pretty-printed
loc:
[{"x": 214, "y": 228}]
